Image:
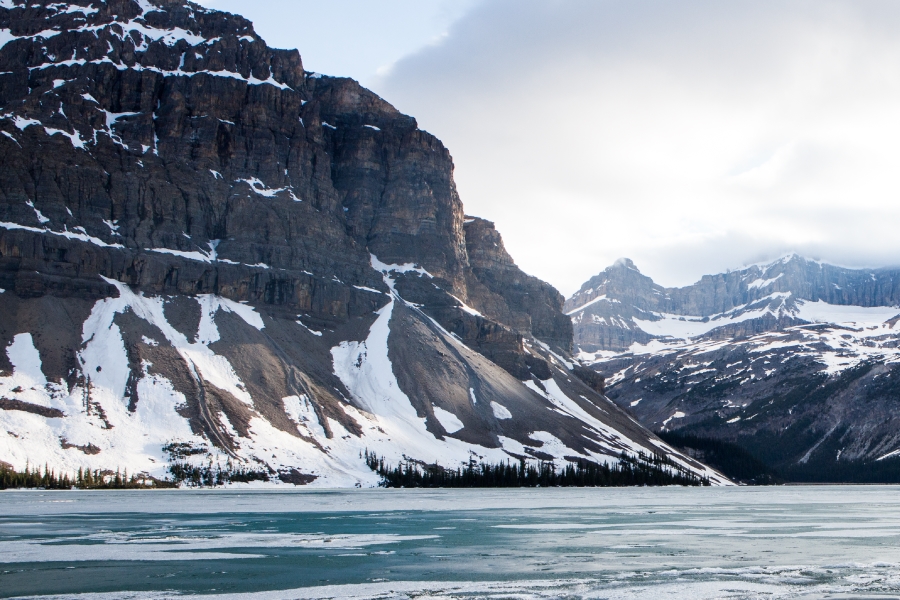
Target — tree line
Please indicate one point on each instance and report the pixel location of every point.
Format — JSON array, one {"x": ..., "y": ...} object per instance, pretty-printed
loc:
[
  {"x": 211, "y": 476},
  {"x": 182, "y": 473},
  {"x": 84, "y": 479},
  {"x": 731, "y": 459},
  {"x": 640, "y": 470}
]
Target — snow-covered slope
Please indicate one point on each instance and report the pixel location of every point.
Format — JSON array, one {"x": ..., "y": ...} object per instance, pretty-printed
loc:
[
  {"x": 152, "y": 389},
  {"x": 211, "y": 256},
  {"x": 799, "y": 367}
]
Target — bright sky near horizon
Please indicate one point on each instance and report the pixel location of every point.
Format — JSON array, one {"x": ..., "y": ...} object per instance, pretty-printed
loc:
[{"x": 690, "y": 136}]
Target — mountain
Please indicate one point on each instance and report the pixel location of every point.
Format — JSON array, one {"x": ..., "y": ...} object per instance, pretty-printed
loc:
[
  {"x": 796, "y": 361},
  {"x": 210, "y": 256}
]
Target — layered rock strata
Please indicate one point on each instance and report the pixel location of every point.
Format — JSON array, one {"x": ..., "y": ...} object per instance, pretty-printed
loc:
[{"x": 209, "y": 254}]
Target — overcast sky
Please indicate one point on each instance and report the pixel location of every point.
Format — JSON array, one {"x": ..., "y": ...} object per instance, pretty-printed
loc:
[{"x": 692, "y": 136}]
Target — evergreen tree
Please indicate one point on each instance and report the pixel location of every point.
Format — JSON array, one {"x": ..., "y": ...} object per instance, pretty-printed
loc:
[{"x": 629, "y": 471}]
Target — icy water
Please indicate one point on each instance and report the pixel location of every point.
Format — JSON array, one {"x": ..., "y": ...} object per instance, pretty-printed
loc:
[{"x": 789, "y": 542}]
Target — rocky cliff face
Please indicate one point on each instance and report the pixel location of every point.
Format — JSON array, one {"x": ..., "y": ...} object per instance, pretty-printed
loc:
[
  {"x": 796, "y": 361},
  {"x": 498, "y": 287},
  {"x": 208, "y": 252}
]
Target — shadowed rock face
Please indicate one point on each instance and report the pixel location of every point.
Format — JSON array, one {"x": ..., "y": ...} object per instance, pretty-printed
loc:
[
  {"x": 208, "y": 252},
  {"x": 279, "y": 189},
  {"x": 498, "y": 287},
  {"x": 796, "y": 361}
]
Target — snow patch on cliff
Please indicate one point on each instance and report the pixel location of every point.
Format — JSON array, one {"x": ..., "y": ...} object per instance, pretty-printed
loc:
[
  {"x": 447, "y": 419},
  {"x": 500, "y": 411}
]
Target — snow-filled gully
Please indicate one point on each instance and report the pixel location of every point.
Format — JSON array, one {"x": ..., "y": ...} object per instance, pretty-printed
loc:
[{"x": 366, "y": 371}]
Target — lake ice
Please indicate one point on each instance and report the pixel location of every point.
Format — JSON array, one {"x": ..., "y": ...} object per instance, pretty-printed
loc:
[{"x": 785, "y": 542}]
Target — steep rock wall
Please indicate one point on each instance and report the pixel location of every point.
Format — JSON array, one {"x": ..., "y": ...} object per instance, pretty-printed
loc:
[{"x": 209, "y": 254}]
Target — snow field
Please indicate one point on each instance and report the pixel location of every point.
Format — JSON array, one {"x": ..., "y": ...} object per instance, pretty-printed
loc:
[
  {"x": 134, "y": 440},
  {"x": 100, "y": 432}
]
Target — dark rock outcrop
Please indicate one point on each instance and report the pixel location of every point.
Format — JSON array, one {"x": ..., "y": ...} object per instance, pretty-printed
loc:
[
  {"x": 498, "y": 287},
  {"x": 36, "y": 409}
]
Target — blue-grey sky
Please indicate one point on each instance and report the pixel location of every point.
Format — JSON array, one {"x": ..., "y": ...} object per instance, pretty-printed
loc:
[
  {"x": 361, "y": 39},
  {"x": 692, "y": 136}
]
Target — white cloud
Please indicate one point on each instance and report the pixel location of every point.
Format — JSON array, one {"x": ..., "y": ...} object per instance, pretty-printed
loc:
[{"x": 691, "y": 136}]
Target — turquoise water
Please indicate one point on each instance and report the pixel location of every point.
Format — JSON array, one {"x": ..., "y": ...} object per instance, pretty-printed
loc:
[{"x": 788, "y": 542}]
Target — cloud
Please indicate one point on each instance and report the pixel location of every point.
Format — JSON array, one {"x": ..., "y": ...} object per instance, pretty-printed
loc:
[{"x": 691, "y": 136}]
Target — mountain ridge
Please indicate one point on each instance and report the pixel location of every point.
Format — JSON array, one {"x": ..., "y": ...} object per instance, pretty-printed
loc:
[
  {"x": 211, "y": 256},
  {"x": 779, "y": 283},
  {"x": 795, "y": 361}
]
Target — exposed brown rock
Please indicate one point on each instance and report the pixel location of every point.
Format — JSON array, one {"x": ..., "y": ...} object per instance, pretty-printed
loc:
[
  {"x": 89, "y": 449},
  {"x": 35, "y": 409}
]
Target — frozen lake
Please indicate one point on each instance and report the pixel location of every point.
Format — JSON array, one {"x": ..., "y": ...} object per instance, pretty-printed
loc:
[{"x": 788, "y": 542}]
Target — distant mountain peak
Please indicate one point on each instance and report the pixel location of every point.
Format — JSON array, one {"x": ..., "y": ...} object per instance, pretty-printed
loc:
[
  {"x": 609, "y": 308},
  {"x": 795, "y": 359}
]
